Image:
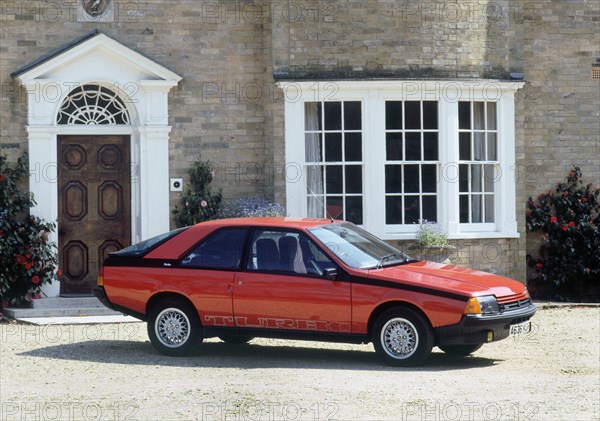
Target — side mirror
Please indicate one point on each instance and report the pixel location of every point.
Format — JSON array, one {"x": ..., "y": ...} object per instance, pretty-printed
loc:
[{"x": 330, "y": 273}]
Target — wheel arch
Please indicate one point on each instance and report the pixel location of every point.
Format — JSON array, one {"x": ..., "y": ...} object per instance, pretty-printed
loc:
[
  {"x": 383, "y": 307},
  {"x": 156, "y": 298}
]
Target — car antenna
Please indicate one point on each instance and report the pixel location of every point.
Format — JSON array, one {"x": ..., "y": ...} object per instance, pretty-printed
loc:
[{"x": 322, "y": 204}]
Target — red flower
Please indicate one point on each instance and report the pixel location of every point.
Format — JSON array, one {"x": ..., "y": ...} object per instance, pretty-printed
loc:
[
  {"x": 37, "y": 296},
  {"x": 584, "y": 200},
  {"x": 571, "y": 224},
  {"x": 1, "y": 178},
  {"x": 564, "y": 228},
  {"x": 35, "y": 279},
  {"x": 1, "y": 233},
  {"x": 590, "y": 184},
  {"x": 21, "y": 259},
  {"x": 553, "y": 220},
  {"x": 59, "y": 273},
  {"x": 539, "y": 266},
  {"x": 587, "y": 270}
]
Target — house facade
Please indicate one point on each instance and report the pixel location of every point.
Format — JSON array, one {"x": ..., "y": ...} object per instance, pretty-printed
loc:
[{"x": 382, "y": 113}]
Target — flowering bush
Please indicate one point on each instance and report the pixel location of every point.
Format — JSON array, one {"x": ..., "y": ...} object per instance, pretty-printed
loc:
[
  {"x": 251, "y": 207},
  {"x": 198, "y": 203},
  {"x": 569, "y": 217},
  {"x": 431, "y": 235},
  {"x": 27, "y": 259}
]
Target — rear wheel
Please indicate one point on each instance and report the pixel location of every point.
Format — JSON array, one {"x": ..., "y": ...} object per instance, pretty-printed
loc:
[
  {"x": 174, "y": 328},
  {"x": 236, "y": 339},
  {"x": 402, "y": 337},
  {"x": 460, "y": 350}
]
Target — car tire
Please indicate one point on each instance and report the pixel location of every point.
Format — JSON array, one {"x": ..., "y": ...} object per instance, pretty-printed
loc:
[
  {"x": 403, "y": 337},
  {"x": 236, "y": 339},
  {"x": 460, "y": 350},
  {"x": 174, "y": 328}
]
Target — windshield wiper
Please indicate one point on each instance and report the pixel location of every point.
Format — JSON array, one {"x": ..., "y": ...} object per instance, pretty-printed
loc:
[{"x": 385, "y": 258}]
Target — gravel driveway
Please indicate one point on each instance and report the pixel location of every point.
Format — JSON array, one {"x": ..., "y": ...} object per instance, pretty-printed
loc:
[{"x": 100, "y": 372}]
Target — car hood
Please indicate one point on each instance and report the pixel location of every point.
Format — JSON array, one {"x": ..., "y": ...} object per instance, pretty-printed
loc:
[{"x": 453, "y": 279}]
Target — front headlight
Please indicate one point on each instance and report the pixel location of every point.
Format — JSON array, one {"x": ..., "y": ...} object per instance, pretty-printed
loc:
[{"x": 482, "y": 305}]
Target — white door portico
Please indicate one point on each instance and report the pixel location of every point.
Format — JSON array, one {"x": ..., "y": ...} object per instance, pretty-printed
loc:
[{"x": 139, "y": 83}]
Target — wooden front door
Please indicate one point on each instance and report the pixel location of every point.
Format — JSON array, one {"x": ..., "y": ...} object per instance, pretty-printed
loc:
[{"x": 94, "y": 206}]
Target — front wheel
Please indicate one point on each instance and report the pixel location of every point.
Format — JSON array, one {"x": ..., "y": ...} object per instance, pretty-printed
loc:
[
  {"x": 460, "y": 350},
  {"x": 402, "y": 337},
  {"x": 174, "y": 328}
]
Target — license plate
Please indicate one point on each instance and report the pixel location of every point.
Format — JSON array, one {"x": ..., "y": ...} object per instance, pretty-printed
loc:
[{"x": 519, "y": 328}]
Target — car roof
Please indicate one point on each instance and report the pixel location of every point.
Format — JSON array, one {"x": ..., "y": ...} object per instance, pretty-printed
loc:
[{"x": 276, "y": 222}]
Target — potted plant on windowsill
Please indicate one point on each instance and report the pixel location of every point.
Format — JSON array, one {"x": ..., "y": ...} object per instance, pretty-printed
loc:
[{"x": 432, "y": 243}]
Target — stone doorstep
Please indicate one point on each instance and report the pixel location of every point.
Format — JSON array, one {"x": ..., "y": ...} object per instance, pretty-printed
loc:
[{"x": 61, "y": 307}]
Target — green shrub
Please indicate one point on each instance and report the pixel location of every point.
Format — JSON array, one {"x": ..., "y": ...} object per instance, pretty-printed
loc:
[
  {"x": 431, "y": 235},
  {"x": 27, "y": 259},
  {"x": 569, "y": 218},
  {"x": 197, "y": 202}
]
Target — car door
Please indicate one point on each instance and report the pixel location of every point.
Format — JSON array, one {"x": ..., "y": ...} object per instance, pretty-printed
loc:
[
  {"x": 283, "y": 286},
  {"x": 207, "y": 274}
]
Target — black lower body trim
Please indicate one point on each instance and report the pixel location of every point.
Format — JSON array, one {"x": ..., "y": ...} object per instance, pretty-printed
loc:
[
  {"x": 473, "y": 329},
  {"x": 212, "y": 331},
  {"x": 100, "y": 294}
]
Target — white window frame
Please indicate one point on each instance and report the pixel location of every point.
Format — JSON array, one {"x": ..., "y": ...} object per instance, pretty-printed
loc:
[{"x": 373, "y": 95}]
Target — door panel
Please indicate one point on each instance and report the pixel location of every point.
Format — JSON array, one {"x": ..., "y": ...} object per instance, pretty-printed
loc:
[
  {"x": 278, "y": 301},
  {"x": 94, "y": 201}
]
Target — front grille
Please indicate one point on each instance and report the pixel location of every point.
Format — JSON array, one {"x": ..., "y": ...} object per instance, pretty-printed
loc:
[{"x": 514, "y": 305}]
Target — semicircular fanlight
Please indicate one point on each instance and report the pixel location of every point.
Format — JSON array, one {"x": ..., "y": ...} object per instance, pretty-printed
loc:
[{"x": 92, "y": 105}]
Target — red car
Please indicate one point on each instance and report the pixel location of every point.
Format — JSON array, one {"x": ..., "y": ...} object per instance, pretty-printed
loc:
[{"x": 309, "y": 279}]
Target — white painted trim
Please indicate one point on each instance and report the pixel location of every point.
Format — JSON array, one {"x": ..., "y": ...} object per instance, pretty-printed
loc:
[
  {"x": 149, "y": 129},
  {"x": 373, "y": 94}
]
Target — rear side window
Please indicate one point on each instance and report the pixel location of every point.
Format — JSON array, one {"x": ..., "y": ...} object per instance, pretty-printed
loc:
[
  {"x": 222, "y": 250},
  {"x": 146, "y": 246}
]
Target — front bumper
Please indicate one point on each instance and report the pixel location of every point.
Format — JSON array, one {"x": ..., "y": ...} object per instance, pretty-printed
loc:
[{"x": 474, "y": 329}]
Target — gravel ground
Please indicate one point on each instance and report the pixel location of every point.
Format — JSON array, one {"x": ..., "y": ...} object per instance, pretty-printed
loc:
[{"x": 100, "y": 372}]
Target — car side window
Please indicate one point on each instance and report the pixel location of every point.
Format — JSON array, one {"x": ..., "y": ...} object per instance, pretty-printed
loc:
[
  {"x": 222, "y": 250},
  {"x": 286, "y": 252}
]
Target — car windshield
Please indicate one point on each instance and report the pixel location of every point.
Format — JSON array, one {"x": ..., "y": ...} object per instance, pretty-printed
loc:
[
  {"x": 145, "y": 246},
  {"x": 357, "y": 248}
]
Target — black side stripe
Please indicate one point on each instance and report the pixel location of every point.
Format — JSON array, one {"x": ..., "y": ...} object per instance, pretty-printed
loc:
[{"x": 413, "y": 288}]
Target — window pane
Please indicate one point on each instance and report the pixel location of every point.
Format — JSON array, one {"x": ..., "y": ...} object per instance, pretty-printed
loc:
[
  {"x": 353, "y": 147},
  {"x": 430, "y": 208},
  {"x": 315, "y": 206},
  {"x": 333, "y": 116},
  {"x": 333, "y": 147},
  {"x": 464, "y": 115},
  {"x": 312, "y": 116},
  {"x": 314, "y": 179},
  {"x": 313, "y": 149},
  {"x": 491, "y": 116},
  {"x": 354, "y": 209},
  {"x": 393, "y": 210},
  {"x": 430, "y": 146},
  {"x": 478, "y": 116},
  {"x": 476, "y": 178},
  {"x": 479, "y": 146},
  {"x": 476, "y": 206},
  {"x": 429, "y": 179},
  {"x": 412, "y": 116},
  {"x": 393, "y": 178},
  {"x": 221, "y": 251},
  {"x": 489, "y": 208},
  {"x": 393, "y": 115},
  {"x": 412, "y": 210},
  {"x": 413, "y": 146},
  {"x": 430, "y": 114},
  {"x": 411, "y": 178},
  {"x": 353, "y": 179},
  {"x": 394, "y": 146},
  {"x": 464, "y": 146},
  {"x": 333, "y": 177},
  {"x": 335, "y": 207},
  {"x": 464, "y": 209},
  {"x": 463, "y": 178},
  {"x": 492, "y": 147},
  {"x": 490, "y": 177},
  {"x": 352, "y": 115}
]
